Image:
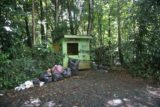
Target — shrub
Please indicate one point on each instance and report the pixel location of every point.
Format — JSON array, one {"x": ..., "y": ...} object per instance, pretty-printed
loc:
[{"x": 28, "y": 65}]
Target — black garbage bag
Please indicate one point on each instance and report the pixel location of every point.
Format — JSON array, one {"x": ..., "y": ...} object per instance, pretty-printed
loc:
[
  {"x": 67, "y": 72},
  {"x": 36, "y": 82},
  {"x": 73, "y": 64},
  {"x": 46, "y": 77},
  {"x": 57, "y": 76}
]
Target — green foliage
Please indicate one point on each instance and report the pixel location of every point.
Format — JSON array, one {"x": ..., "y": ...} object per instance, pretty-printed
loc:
[
  {"x": 31, "y": 63},
  {"x": 107, "y": 57},
  {"x": 15, "y": 72},
  {"x": 46, "y": 56},
  {"x": 102, "y": 58},
  {"x": 140, "y": 31},
  {"x": 60, "y": 30},
  {"x": 148, "y": 38}
]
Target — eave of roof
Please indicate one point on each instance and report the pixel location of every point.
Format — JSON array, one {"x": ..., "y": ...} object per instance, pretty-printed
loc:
[{"x": 77, "y": 37}]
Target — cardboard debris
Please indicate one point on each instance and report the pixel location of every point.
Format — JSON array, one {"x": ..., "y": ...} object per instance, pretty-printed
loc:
[
  {"x": 49, "y": 104},
  {"x": 1, "y": 94},
  {"x": 32, "y": 103},
  {"x": 26, "y": 85},
  {"x": 115, "y": 102}
]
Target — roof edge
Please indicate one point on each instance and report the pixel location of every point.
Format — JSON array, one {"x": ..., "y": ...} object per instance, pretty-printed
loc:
[{"x": 77, "y": 36}]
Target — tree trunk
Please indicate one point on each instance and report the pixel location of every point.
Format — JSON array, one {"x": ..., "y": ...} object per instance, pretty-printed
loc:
[
  {"x": 90, "y": 17},
  {"x": 109, "y": 35},
  {"x": 70, "y": 16},
  {"x": 119, "y": 34},
  {"x": 43, "y": 37},
  {"x": 100, "y": 15},
  {"x": 139, "y": 45},
  {"x": 33, "y": 24},
  {"x": 100, "y": 30},
  {"x": 54, "y": 26},
  {"x": 75, "y": 24},
  {"x": 29, "y": 39},
  {"x": 48, "y": 20},
  {"x": 109, "y": 27},
  {"x": 56, "y": 3}
]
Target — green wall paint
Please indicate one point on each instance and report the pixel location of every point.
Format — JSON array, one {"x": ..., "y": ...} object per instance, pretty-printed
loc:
[{"x": 83, "y": 50}]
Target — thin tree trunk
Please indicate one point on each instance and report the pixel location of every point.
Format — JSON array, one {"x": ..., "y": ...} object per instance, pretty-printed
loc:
[
  {"x": 33, "y": 24},
  {"x": 47, "y": 18},
  {"x": 70, "y": 16},
  {"x": 100, "y": 30},
  {"x": 75, "y": 24},
  {"x": 109, "y": 35},
  {"x": 29, "y": 39},
  {"x": 56, "y": 3},
  {"x": 139, "y": 45},
  {"x": 109, "y": 27},
  {"x": 119, "y": 33},
  {"x": 135, "y": 37},
  {"x": 90, "y": 17},
  {"x": 55, "y": 16},
  {"x": 100, "y": 25},
  {"x": 42, "y": 23}
]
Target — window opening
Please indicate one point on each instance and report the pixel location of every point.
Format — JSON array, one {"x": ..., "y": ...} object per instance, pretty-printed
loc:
[{"x": 72, "y": 48}]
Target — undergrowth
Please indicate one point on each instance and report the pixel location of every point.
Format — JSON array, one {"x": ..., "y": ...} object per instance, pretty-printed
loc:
[{"x": 28, "y": 64}]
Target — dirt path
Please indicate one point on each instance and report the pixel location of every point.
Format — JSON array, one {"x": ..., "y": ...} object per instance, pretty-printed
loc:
[{"x": 88, "y": 89}]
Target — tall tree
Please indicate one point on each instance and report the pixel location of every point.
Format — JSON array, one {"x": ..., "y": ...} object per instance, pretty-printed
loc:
[
  {"x": 43, "y": 36},
  {"x": 70, "y": 13},
  {"x": 90, "y": 17},
  {"x": 119, "y": 33},
  {"x": 109, "y": 35},
  {"x": 33, "y": 23},
  {"x": 109, "y": 26},
  {"x": 29, "y": 38},
  {"x": 56, "y": 3}
]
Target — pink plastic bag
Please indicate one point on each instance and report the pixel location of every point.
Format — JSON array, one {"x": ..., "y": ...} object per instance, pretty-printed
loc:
[{"x": 57, "y": 69}]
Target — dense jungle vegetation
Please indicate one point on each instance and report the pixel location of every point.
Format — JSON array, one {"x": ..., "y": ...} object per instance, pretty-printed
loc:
[{"x": 127, "y": 31}]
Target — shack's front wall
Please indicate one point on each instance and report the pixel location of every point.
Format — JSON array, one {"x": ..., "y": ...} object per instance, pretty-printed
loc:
[{"x": 83, "y": 52}]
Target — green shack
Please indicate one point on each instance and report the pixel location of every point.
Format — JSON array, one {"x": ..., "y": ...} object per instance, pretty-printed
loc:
[{"x": 73, "y": 46}]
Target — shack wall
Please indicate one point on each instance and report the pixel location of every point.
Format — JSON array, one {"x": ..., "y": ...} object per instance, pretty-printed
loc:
[{"x": 83, "y": 52}]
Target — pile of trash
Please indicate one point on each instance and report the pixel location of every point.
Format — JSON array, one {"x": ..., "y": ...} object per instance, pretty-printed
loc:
[
  {"x": 56, "y": 73},
  {"x": 29, "y": 84}
]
